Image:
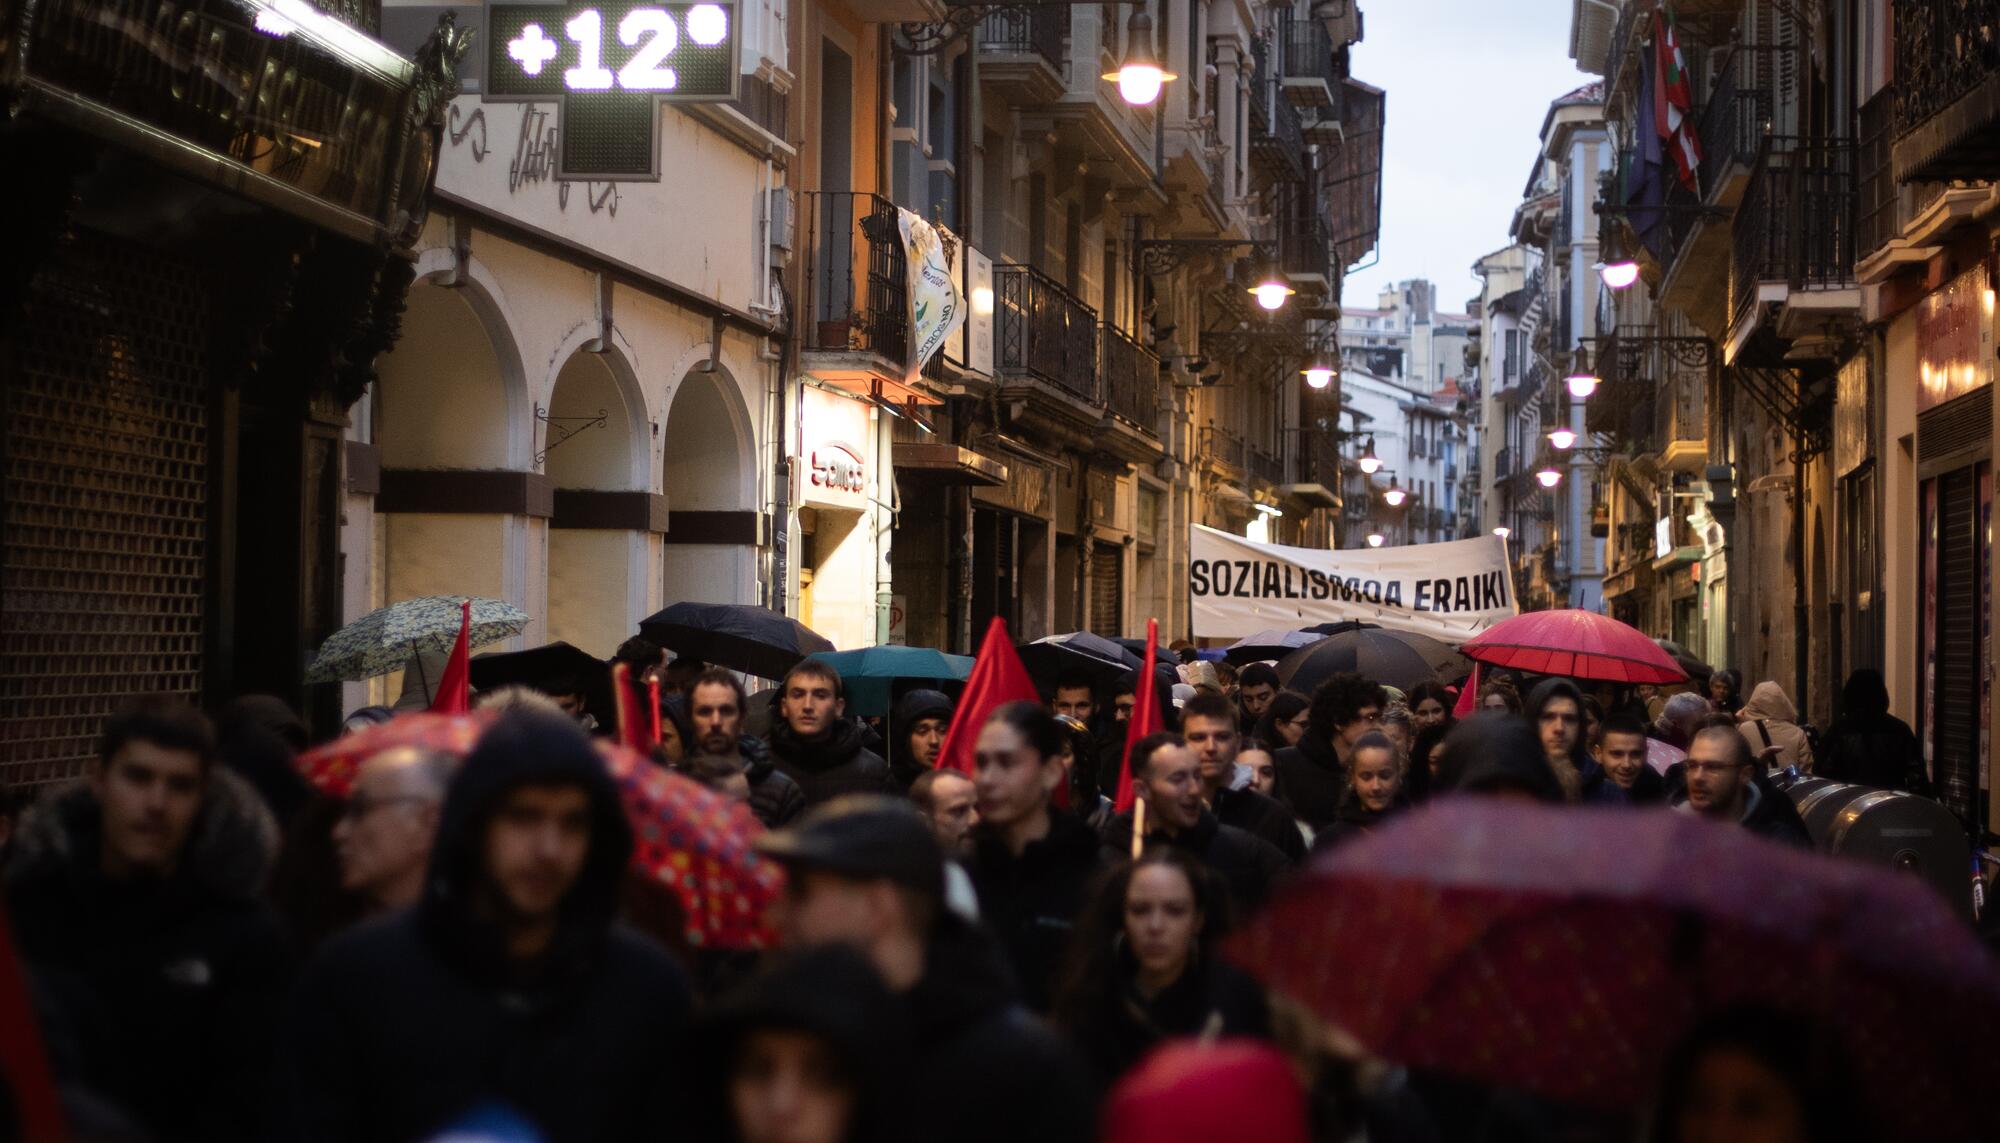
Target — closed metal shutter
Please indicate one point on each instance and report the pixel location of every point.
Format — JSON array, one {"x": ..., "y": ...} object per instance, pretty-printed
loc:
[
  {"x": 1955, "y": 761},
  {"x": 1107, "y": 590},
  {"x": 103, "y": 500}
]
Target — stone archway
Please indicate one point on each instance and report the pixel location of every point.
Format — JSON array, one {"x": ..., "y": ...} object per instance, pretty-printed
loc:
[
  {"x": 593, "y": 452},
  {"x": 709, "y": 473}
]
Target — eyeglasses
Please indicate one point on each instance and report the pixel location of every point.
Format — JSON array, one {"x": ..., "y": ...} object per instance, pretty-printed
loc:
[{"x": 361, "y": 805}]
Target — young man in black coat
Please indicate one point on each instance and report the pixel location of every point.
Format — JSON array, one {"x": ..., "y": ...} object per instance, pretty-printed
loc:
[
  {"x": 135, "y": 901},
  {"x": 867, "y": 873},
  {"x": 1208, "y": 722},
  {"x": 509, "y": 984},
  {"x": 814, "y": 743},
  {"x": 1313, "y": 774},
  {"x": 1168, "y": 780},
  {"x": 715, "y": 704}
]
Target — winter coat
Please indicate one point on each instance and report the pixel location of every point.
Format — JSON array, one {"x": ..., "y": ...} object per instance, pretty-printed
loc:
[
  {"x": 1247, "y": 864},
  {"x": 911, "y": 709},
  {"x": 1881, "y": 752},
  {"x": 1254, "y": 813},
  {"x": 160, "y": 996},
  {"x": 1355, "y": 821},
  {"x": 1649, "y": 789},
  {"x": 1770, "y": 719},
  {"x": 1209, "y": 996},
  {"x": 774, "y": 797},
  {"x": 1031, "y": 902},
  {"x": 402, "y": 1027},
  {"x": 1767, "y": 812},
  {"x": 985, "y": 1070},
  {"x": 1313, "y": 778},
  {"x": 257, "y": 736},
  {"x": 835, "y": 765}
]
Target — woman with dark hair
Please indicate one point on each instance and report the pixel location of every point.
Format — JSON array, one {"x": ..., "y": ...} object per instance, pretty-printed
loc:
[
  {"x": 1725, "y": 690},
  {"x": 1556, "y": 712},
  {"x": 1284, "y": 721},
  {"x": 1080, "y": 747},
  {"x": 1425, "y": 754},
  {"x": 677, "y": 739},
  {"x": 1499, "y": 696},
  {"x": 1374, "y": 792},
  {"x": 1756, "y": 1075},
  {"x": 1143, "y": 967},
  {"x": 1869, "y": 746},
  {"x": 1430, "y": 705}
]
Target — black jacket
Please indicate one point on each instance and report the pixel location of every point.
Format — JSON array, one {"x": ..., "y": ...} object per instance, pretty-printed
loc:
[
  {"x": 1314, "y": 780},
  {"x": 1767, "y": 812},
  {"x": 1355, "y": 820},
  {"x": 911, "y": 709},
  {"x": 1880, "y": 752},
  {"x": 985, "y": 1070},
  {"x": 161, "y": 996},
  {"x": 403, "y": 1027},
  {"x": 1649, "y": 789},
  {"x": 774, "y": 797},
  {"x": 1253, "y": 813},
  {"x": 1247, "y": 864},
  {"x": 1031, "y": 902},
  {"x": 1209, "y": 996},
  {"x": 838, "y": 764}
]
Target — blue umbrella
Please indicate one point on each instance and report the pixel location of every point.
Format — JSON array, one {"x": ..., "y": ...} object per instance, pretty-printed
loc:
[{"x": 867, "y": 675}]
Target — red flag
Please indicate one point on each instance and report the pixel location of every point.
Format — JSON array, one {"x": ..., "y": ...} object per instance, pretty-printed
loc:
[
  {"x": 1468, "y": 695},
  {"x": 454, "y": 693},
  {"x": 653, "y": 708},
  {"x": 635, "y": 730},
  {"x": 1146, "y": 718},
  {"x": 997, "y": 679},
  {"x": 1673, "y": 100},
  {"x": 24, "y": 1065}
]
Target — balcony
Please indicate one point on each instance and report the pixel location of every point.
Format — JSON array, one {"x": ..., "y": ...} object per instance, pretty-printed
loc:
[
  {"x": 1045, "y": 350},
  {"x": 1131, "y": 396},
  {"x": 1224, "y": 451},
  {"x": 1794, "y": 236},
  {"x": 857, "y": 334},
  {"x": 1021, "y": 52},
  {"x": 1734, "y": 122},
  {"x": 1947, "y": 90},
  {"x": 1264, "y": 466},
  {"x": 1305, "y": 247},
  {"x": 1305, "y": 53},
  {"x": 1277, "y": 137}
]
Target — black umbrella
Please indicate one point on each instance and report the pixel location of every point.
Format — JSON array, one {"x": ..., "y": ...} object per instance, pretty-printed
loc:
[
  {"x": 740, "y": 636},
  {"x": 550, "y": 666},
  {"x": 1695, "y": 668},
  {"x": 1137, "y": 649},
  {"x": 1102, "y": 659},
  {"x": 1399, "y": 659},
  {"x": 1273, "y": 644}
]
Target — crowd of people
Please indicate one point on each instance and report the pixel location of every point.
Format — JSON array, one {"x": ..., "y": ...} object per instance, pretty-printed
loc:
[{"x": 216, "y": 952}]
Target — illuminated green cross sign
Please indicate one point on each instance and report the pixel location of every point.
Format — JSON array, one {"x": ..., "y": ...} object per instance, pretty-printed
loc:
[{"x": 608, "y": 67}]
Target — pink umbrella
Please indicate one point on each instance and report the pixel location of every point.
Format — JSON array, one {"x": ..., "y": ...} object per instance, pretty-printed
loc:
[
  {"x": 1580, "y": 644},
  {"x": 1661, "y": 756}
]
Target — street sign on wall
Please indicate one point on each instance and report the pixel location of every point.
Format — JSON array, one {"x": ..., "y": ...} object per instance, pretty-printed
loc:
[{"x": 609, "y": 67}]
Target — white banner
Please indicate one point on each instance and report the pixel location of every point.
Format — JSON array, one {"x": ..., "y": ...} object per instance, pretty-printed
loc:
[
  {"x": 1449, "y": 591},
  {"x": 936, "y": 304}
]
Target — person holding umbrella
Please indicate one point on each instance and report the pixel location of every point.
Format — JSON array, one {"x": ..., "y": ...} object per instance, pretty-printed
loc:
[{"x": 816, "y": 745}]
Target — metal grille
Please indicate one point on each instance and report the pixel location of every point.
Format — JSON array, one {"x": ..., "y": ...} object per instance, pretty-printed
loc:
[
  {"x": 1955, "y": 760},
  {"x": 1107, "y": 590},
  {"x": 103, "y": 493},
  {"x": 1956, "y": 425}
]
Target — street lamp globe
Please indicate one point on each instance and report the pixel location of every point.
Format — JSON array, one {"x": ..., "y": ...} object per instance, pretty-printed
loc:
[
  {"x": 1271, "y": 293},
  {"x": 1619, "y": 275},
  {"x": 1581, "y": 384},
  {"x": 1394, "y": 497},
  {"x": 1549, "y": 477},
  {"x": 1503, "y": 531},
  {"x": 1375, "y": 539},
  {"x": 1318, "y": 376},
  {"x": 1562, "y": 438},
  {"x": 1139, "y": 76},
  {"x": 1369, "y": 462}
]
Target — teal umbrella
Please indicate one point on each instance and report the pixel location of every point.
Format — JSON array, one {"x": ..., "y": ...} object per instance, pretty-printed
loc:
[
  {"x": 387, "y": 638},
  {"x": 867, "y": 675}
]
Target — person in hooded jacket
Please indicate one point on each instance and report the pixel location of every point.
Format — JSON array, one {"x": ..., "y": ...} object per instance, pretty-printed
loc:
[
  {"x": 917, "y": 727},
  {"x": 866, "y": 872},
  {"x": 1313, "y": 774},
  {"x": 716, "y": 706},
  {"x": 1770, "y": 724},
  {"x": 510, "y": 983},
  {"x": 816, "y": 745},
  {"x": 1869, "y": 746},
  {"x": 1495, "y": 754},
  {"x": 258, "y": 736},
  {"x": 1167, "y": 777},
  {"x": 1556, "y": 711},
  {"x": 134, "y": 897},
  {"x": 1145, "y": 966},
  {"x": 1031, "y": 864},
  {"x": 1374, "y": 792}
]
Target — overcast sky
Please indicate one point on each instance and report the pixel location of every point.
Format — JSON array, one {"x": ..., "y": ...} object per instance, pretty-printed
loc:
[{"x": 1468, "y": 84}]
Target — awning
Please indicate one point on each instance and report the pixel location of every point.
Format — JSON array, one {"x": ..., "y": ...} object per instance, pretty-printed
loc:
[
  {"x": 948, "y": 464},
  {"x": 1310, "y": 494}
]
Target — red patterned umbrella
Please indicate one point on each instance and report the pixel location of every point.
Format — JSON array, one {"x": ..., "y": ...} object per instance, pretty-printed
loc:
[
  {"x": 331, "y": 767},
  {"x": 1565, "y": 951},
  {"x": 696, "y": 842},
  {"x": 1580, "y": 644}
]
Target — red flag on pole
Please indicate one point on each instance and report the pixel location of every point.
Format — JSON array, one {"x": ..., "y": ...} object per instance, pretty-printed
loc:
[
  {"x": 1468, "y": 695},
  {"x": 454, "y": 693},
  {"x": 635, "y": 730},
  {"x": 997, "y": 679},
  {"x": 1146, "y": 717}
]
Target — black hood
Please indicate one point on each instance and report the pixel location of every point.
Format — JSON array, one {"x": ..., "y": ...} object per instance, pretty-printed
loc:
[
  {"x": 524, "y": 748},
  {"x": 966, "y": 979},
  {"x": 911, "y": 709},
  {"x": 839, "y": 746},
  {"x": 1493, "y": 752}
]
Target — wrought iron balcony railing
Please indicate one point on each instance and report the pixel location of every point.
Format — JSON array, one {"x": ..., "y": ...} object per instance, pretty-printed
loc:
[
  {"x": 855, "y": 276},
  {"x": 1044, "y": 332},
  {"x": 1131, "y": 380},
  {"x": 1733, "y": 123},
  {"x": 1305, "y": 51},
  {"x": 1796, "y": 224},
  {"x": 1277, "y": 136},
  {"x": 1319, "y": 459},
  {"x": 1875, "y": 221},
  {"x": 1264, "y": 464},
  {"x": 1305, "y": 247},
  {"x": 1947, "y": 51},
  {"x": 1038, "y": 29},
  {"x": 1221, "y": 446}
]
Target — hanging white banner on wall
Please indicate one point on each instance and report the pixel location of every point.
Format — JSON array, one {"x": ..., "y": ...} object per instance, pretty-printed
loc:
[
  {"x": 936, "y": 305},
  {"x": 1450, "y": 591}
]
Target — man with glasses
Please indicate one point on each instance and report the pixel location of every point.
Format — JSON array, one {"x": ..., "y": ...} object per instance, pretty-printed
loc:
[
  {"x": 383, "y": 841},
  {"x": 1313, "y": 774},
  {"x": 1723, "y": 785}
]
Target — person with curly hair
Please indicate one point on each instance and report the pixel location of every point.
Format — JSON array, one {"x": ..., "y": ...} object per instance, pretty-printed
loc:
[{"x": 1313, "y": 773}]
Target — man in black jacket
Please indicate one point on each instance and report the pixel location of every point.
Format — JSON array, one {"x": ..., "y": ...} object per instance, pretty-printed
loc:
[
  {"x": 866, "y": 872},
  {"x": 135, "y": 901},
  {"x": 1313, "y": 774},
  {"x": 508, "y": 984},
  {"x": 816, "y": 746},
  {"x": 1255, "y": 688},
  {"x": 1168, "y": 780},
  {"x": 1208, "y": 722},
  {"x": 715, "y": 706}
]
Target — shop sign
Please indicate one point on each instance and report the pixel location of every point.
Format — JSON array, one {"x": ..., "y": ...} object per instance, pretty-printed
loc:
[
  {"x": 1955, "y": 339},
  {"x": 837, "y": 466},
  {"x": 277, "y": 88},
  {"x": 833, "y": 449}
]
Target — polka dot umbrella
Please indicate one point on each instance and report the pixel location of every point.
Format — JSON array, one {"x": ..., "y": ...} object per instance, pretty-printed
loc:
[{"x": 331, "y": 766}]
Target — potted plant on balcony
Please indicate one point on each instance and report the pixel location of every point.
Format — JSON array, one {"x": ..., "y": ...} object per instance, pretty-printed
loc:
[{"x": 848, "y": 332}]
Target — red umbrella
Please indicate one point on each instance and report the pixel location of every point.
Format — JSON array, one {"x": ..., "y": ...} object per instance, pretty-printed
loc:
[
  {"x": 331, "y": 767},
  {"x": 696, "y": 842},
  {"x": 1580, "y": 644},
  {"x": 1564, "y": 952}
]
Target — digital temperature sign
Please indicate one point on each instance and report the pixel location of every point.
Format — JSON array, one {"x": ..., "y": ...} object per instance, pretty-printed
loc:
[{"x": 609, "y": 66}]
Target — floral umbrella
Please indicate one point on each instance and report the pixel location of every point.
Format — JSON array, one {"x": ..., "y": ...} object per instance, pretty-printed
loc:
[{"x": 385, "y": 639}]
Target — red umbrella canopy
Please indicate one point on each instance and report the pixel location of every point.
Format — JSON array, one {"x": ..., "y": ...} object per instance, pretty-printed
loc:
[
  {"x": 1579, "y": 644},
  {"x": 1565, "y": 951},
  {"x": 697, "y": 843},
  {"x": 331, "y": 766}
]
